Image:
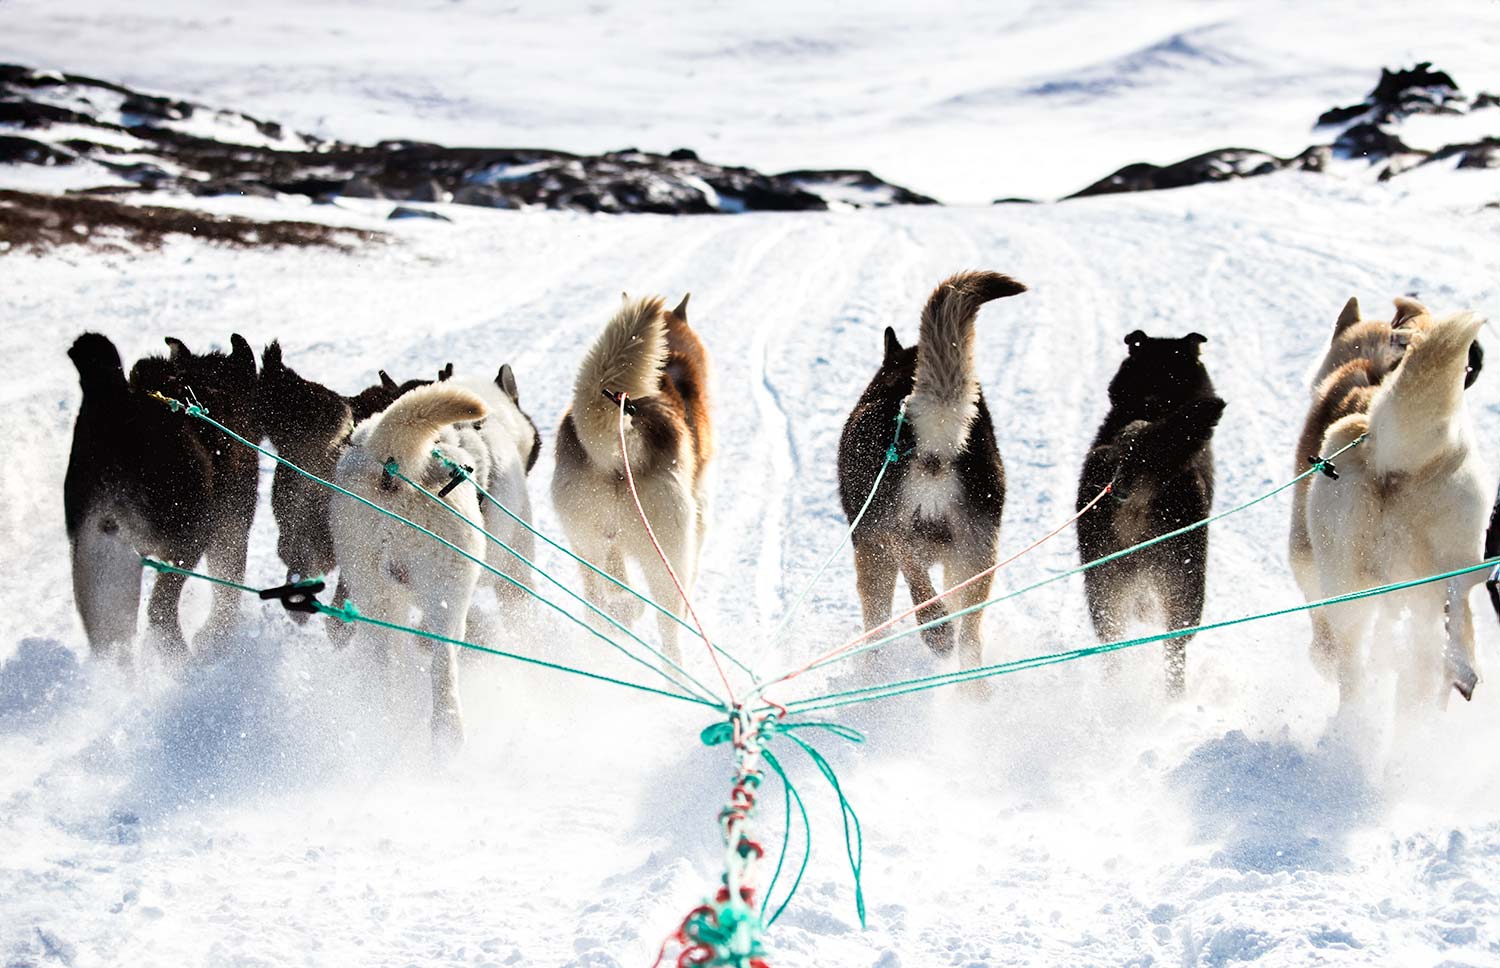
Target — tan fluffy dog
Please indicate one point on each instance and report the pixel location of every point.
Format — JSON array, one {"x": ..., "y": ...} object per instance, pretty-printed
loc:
[
  {"x": 653, "y": 357},
  {"x": 1410, "y": 501}
]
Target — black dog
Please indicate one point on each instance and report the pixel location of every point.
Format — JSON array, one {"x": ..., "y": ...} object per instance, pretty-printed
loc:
[
  {"x": 1155, "y": 447},
  {"x": 941, "y": 502},
  {"x": 143, "y": 480},
  {"x": 309, "y": 425}
]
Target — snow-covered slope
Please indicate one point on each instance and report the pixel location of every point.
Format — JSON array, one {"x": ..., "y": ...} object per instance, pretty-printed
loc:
[
  {"x": 268, "y": 812},
  {"x": 963, "y": 100}
]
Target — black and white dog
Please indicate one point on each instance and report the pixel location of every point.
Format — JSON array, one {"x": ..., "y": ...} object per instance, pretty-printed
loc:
[
  {"x": 1155, "y": 447},
  {"x": 310, "y": 425},
  {"x": 941, "y": 502},
  {"x": 143, "y": 480}
]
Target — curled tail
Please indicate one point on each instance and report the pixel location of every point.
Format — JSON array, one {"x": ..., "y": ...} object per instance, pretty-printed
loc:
[
  {"x": 945, "y": 398},
  {"x": 1415, "y": 407},
  {"x": 100, "y": 372},
  {"x": 408, "y": 428},
  {"x": 626, "y": 358}
]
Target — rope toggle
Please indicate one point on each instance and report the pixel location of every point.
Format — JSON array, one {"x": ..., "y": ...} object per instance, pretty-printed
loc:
[
  {"x": 615, "y": 396},
  {"x": 298, "y": 596},
  {"x": 457, "y": 474},
  {"x": 1324, "y": 467}
]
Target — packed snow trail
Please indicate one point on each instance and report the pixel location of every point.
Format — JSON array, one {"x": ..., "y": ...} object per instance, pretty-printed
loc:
[{"x": 270, "y": 810}]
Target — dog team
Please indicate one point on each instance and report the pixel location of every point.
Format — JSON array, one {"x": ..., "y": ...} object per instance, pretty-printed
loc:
[{"x": 1411, "y": 500}]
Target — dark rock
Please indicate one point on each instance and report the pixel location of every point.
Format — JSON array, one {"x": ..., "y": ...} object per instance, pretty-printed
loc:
[
  {"x": 1369, "y": 141},
  {"x": 14, "y": 148},
  {"x": 481, "y": 195},
  {"x": 362, "y": 187},
  {"x": 1419, "y": 90},
  {"x": 1483, "y": 100},
  {"x": 851, "y": 185},
  {"x": 402, "y": 212},
  {"x": 1213, "y": 166},
  {"x": 1483, "y": 155},
  {"x": 1014, "y": 200},
  {"x": 427, "y": 190},
  {"x": 628, "y": 180},
  {"x": 147, "y": 109}
]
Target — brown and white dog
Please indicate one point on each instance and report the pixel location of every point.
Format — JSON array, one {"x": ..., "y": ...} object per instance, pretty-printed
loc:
[
  {"x": 651, "y": 355},
  {"x": 1411, "y": 500},
  {"x": 940, "y": 503}
]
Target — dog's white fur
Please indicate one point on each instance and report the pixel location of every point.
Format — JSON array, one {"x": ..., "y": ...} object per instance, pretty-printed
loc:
[
  {"x": 592, "y": 497},
  {"x": 1411, "y": 500},
  {"x": 390, "y": 568},
  {"x": 945, "y": 397}
]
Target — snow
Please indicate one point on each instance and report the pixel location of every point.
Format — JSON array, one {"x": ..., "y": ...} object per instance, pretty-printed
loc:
[
  {"x": 274, "y": 810},
  {"x": 270, "y": 811},
  {"x": 961, "y": 100}
]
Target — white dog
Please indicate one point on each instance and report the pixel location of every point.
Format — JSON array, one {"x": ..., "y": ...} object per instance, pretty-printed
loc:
[
  {"x": 1410, "y": 501},
  {"x": 389, "y": 567}
]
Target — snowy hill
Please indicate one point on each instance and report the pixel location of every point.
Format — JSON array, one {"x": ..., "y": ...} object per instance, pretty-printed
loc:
[{"x": 267, "y": 811}]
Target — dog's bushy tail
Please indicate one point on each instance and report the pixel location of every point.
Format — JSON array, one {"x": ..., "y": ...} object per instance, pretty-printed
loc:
[
  {"x": 1414, "y": 410},
  {"x": 100, "y": 372},
  {"x": 626, "y": 358},
  {"x": 409, "y": 427},
  {"x": 946, "y": 393}
]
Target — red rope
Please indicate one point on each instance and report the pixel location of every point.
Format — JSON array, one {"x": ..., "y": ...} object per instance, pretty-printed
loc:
[
  {"x": 630, "y": 479},
  {"x": 941, "y": 595}
]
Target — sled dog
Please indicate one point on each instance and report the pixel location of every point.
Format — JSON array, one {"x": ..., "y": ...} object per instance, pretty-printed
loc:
[
  {"x": 1411, "y": 500},
  {"x": 144, "y": 480},
  {"x": 1155, "y": 451},
  {"x": 941, "y": 502},
  {"x": 389, "y": 568},
  {"x": 657, "y": 361}
]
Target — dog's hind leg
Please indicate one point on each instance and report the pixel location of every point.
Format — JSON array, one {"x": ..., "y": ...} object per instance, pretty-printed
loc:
[
  {"x": 106, "y": 587},
  {"x": 1458, "y": 665},
  {"x": 161, "y": 612},
  {"x": 227, "y": 553},
  {"x": 875, "y": 575},
  {"x": 445, "y": 607},
  {"x": 676, "y": 543},
  {"x": 956, "y": 570},
  {"x": 1182, "y": 602},
  {"x": 939, "y": 638}
]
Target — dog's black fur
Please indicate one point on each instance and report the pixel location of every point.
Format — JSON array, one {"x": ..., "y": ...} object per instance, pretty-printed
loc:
[
  {"x": 143, "y": 480},
  {"x": 1155, "y": 448},
  {"x": 867, "y": 434},
  {"x": 309, "y": 425}
]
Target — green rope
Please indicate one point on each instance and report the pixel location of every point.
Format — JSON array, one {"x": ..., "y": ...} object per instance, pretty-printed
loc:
[
  {"x": 395, "y": 470},
  {"x": 1316, "y": 468},
  {"x": 892, "y": 455},
  {"x": 162, "y": 566},
  {"x": 789, "y": 793},
  {"x": 462, "y": 471},
  {"x": 348, "y": 612},
  {"x": 918, "y": 684},
  {"x": 723, "y": 732},
  {"x": 199, "y": 413}
]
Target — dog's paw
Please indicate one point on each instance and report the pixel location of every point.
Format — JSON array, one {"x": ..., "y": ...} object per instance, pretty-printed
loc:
[
  {"x": 976, "y": 690},
  {"x": 447, "y": 734},
  {"x": 939, "y": 638}
]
